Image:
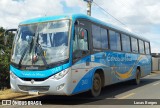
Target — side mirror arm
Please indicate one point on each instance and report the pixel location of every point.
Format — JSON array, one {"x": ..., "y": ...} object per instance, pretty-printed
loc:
[{"x": 6, "y": 33}]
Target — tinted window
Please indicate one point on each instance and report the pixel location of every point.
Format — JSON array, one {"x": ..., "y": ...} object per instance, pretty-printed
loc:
[
  {"x": 126, "y": 43},
  {"x": 134, "y": 43},
  {"x": 147, "y": 48},
  {"x": 141, "y": 46},
  {"x": 104, "y": 37},
  {"x": 96, "y": 36},
  {"x": 118, "y": 42},
  {"x": 114, "y": 40}
]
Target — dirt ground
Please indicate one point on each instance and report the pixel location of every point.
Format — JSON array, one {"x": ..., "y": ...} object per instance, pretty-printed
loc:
[{"x": 8, "y": 94}]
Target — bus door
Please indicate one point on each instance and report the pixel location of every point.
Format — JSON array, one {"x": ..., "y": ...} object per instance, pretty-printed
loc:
[{"x": 81, "y": 54}]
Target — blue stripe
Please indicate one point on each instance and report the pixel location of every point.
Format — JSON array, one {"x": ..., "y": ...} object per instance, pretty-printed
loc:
[{"x": 38, "y": 74}]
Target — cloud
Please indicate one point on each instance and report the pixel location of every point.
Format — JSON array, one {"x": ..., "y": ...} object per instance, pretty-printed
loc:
[
  {"x": 141, "y": 16},
  {"x": 135, "y": 11},
  {"x": 75, "y": 3},
  {"x": 12, "y": 12}
]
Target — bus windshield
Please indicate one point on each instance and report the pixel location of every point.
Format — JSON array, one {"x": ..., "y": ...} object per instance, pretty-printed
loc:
[{"x": 38, "y": 44}]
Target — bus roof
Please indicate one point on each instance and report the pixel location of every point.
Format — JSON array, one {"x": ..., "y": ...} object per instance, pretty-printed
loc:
[{"x": 76, "y": 16}]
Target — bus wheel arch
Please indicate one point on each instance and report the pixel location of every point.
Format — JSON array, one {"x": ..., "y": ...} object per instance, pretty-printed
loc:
[{"x": 97, "y": 79}]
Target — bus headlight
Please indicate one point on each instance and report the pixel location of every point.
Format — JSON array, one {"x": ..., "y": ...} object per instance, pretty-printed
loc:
[
  {"x": 13, "y": 75},
  {"x": 60, "y": 74}
]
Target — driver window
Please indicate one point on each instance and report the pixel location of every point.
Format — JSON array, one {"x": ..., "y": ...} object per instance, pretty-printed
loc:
[{"x": 80, "y": 41}]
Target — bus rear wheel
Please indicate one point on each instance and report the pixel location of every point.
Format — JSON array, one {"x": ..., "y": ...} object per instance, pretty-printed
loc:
[
  {"x": 96, "y": 85},
  {"x": 138, "y": 77}
]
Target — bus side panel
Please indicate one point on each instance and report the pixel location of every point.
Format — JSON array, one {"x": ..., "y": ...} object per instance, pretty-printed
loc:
[
  {"x": 80, "y": 80},
  {"x": 107, "y": 76},
  {"x": 82, "y": 77},
  {"x": 99, "y": 60},
  {"x": 124, "y": 65},
  {"x": 117, "y": 67}
]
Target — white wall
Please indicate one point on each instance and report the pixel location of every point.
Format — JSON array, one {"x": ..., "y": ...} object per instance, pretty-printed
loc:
[{"x": 155, "y": 64}]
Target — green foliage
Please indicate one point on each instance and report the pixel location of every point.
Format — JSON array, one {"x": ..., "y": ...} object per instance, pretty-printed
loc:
[{"x": 5, "y": 53}]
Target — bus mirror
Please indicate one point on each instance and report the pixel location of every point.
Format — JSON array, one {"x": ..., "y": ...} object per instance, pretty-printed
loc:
[{"x": 6, "y": 35}]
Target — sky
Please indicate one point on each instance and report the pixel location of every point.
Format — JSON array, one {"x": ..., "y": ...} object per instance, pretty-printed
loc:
[{"x": 139, "y": 16}]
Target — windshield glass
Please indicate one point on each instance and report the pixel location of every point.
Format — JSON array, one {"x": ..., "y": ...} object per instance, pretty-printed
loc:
[{"x": 36, "y": 44}]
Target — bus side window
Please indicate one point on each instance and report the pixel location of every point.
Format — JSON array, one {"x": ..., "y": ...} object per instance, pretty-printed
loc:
[
  {"x": 114, "y": 40},
  {"x": 80, "y": 41},
  {"x": 141, "y": 46},
  {"x": 83, "y": 39},
  {"x": 147, "y": 48},
  {"x": 126, "y": 46},
  {"x": 134, "y": 43}
]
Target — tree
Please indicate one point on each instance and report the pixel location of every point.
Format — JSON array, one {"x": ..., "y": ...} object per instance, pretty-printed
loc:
[{"x": 5, "y": 53}]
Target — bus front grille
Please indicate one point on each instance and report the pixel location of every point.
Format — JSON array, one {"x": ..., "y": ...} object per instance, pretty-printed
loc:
[
  {"x": 35, "y": 79},
  {"x": 37, "y": 88}
]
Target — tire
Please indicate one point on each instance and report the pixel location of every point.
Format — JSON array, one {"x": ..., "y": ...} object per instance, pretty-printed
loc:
[
  {"x": 138, "y": 77},
  {"x": 96, "y": 85}
]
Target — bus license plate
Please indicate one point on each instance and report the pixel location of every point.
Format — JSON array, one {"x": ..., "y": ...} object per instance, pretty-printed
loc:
[{"x": 33, "y": 92}]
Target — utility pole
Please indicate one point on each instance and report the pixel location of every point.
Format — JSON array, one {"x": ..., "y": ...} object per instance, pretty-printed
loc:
[{"x": 89, "y": 4}]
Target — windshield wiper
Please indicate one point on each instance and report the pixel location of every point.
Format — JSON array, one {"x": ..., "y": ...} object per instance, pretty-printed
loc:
[
  {"x": 29, "y": 40},
  {"x": 20, "y": 61},
  {"x": 41, "y": 53}
]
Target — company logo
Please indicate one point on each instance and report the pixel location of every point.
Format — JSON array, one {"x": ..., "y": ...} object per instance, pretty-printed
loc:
[{"x": 32, "y": 81}]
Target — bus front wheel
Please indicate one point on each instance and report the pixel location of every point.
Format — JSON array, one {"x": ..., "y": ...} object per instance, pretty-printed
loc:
[{"x": 96, "y": 85}]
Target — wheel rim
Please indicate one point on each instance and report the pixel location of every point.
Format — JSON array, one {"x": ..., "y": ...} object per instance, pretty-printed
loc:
[{"x": 96, "y": 84}]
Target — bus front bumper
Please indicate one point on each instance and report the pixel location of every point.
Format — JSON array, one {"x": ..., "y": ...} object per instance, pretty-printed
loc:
[{"x": 49, "y": 86}]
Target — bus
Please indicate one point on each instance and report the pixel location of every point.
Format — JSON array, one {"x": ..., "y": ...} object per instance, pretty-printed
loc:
[{"x": 71, "y": 54}]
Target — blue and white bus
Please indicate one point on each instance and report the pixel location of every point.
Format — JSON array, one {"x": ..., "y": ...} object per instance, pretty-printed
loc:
[{"x": 70, "y": 54}]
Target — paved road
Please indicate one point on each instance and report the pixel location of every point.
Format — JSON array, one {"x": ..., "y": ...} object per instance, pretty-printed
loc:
[{"x": 121, "y": 93}]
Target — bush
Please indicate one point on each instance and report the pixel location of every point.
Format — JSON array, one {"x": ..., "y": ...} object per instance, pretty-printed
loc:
[{"x": 5, "y": 52}]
